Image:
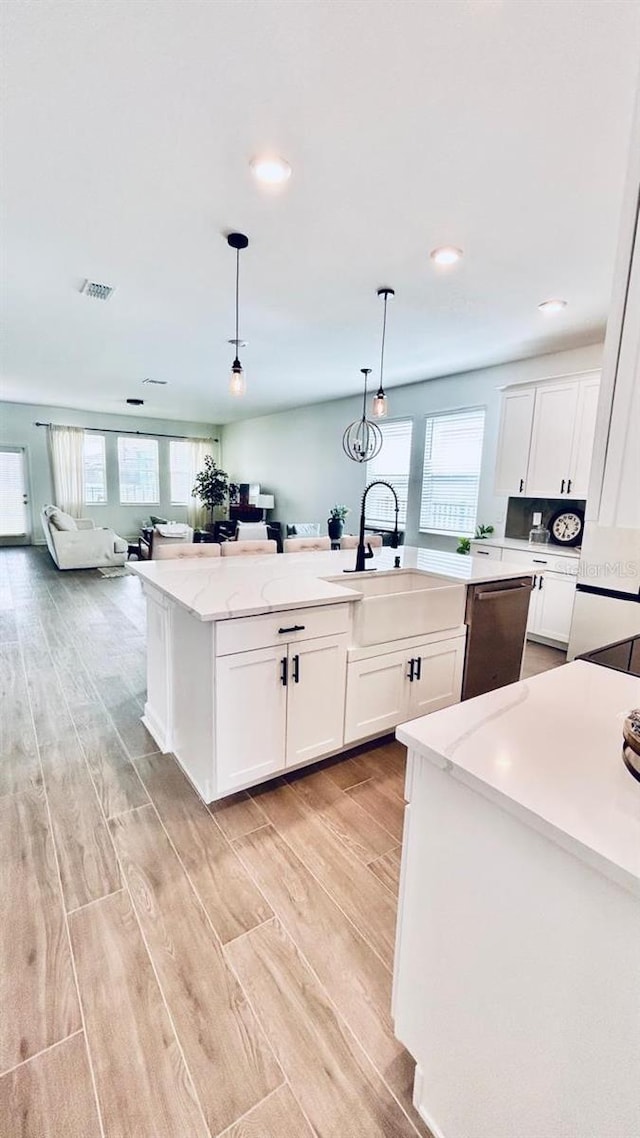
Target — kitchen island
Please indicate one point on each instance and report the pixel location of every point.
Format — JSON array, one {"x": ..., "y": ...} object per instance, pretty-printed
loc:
[
  {"x": 260, "y": 664},
  {"x": 517, "y": 971}
]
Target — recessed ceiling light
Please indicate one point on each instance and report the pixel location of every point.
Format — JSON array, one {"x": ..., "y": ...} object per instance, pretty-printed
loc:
[
  {"x": 549, "y": 307},
  {"x": 270, "y": 170},
  {"x": 446, "y": 255}
]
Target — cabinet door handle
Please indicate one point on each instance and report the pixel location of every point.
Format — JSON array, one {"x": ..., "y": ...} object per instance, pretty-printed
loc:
[
  {"x": 412, "y": 665},
  {"x": 535, "y": 582},
  {"x": 540, "y": 580},
  {"x": 562, "y": 486},
  {"x": 283, "y": 671},
  {"x": 521, "y": 485},
  {"x": 569, "y": 486},
  {"x": 418, "y": 667},
  {"x": 293, "y": 628},
  {"x": 296, "y": 669}
]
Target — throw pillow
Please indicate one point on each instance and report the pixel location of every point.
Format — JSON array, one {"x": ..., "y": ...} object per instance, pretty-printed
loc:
[
  {"x": 62, "y": 521},
  {"x": 157, "y": 521}
]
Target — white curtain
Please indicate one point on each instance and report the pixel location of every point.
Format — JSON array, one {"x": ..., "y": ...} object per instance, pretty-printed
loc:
[
  {"x": 66, "y": 451},
  {"x": 197, "y": 449}
]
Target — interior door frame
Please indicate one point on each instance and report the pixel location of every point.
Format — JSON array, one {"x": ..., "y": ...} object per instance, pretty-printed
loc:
[{"x": 27, "y": 538}]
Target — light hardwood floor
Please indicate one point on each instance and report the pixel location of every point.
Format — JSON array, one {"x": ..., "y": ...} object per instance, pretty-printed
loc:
[{"x": 168, "y": 970}]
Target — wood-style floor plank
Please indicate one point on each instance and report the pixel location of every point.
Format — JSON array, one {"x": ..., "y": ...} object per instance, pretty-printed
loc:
[
  {"x": 51, "y": 1096},
  {"x": 39, "y": 1000},
  {"x": 19, "y": 765},
  {"x": 356, "y": 980},
  {"x": 215, "y": 1025},
  {"x": 279, "y": 1116},
  {"x": 344, "y": 817},
  {"x": 230, "y": 899},
  {"x": 143, "y": 1086},
  {"x": 335, "y": 1084},
  {"x": 125, "y": 712},
  {"x": 116, "y": 782},
  {"x": 88, "y": 867},
  {"x": 237, "y": 814},
  {"x": 387, "y": 869},
  {"x": 364, "y": 900},
  {"x": 379, "y": 798}
]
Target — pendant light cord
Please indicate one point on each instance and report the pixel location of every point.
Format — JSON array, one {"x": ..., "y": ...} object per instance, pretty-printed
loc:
[
  {"x": 384, "y": 333},
  {"x": 237, "y": 295}
]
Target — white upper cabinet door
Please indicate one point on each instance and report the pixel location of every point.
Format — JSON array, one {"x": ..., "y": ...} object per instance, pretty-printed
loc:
[
  {"x": 377, "y": 695},
  {"x": 583, "y": 436},
  {"x": 554, "y": 607},
  {"x": 514, "y": 441},
  {"x": 251, "y": 710},
  {"x": 316, "y": 696},
  {"x": 553, "y": 428},
  {"x": 437, "y": 676}
]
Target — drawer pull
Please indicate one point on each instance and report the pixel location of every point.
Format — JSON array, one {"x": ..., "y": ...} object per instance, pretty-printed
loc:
[
  {"x": 293, "y": 628},
  {"x": 483, "y": 552},
  {"x": 539, "y": 561}
]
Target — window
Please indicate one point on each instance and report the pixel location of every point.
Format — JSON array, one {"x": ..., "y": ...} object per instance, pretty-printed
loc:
[
  {"x": 95, "y": 470},
  {"x": 451, "y": 475},
  {"x": 138, "y": 470},
  {"x": 392, "y": 464},
  {"x": 181, "y": 471}
]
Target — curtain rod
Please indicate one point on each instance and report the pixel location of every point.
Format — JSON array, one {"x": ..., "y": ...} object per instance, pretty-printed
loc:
[{"x": 148, "y": 434}]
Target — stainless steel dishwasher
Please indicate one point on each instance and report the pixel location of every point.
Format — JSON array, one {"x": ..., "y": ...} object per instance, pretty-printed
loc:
[{"x": 496, "y": 620}]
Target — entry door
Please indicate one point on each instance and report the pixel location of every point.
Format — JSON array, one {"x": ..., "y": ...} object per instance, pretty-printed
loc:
[{"x": 15, "y": 526}]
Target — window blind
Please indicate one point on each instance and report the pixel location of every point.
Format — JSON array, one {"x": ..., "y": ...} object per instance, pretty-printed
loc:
[
  {"x": 451, "y": 473},
  {"x": 13, "y": 512},
  {"x": 392, "y": 464}
]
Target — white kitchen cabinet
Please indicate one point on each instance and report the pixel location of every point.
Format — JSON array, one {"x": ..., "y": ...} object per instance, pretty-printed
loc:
[
  {"x": 583, "y": 437},
  {"x": 316, "y": 695},
  {"x": 277, "y": 707},
  {"x": 251, "y": 716},
  {"x": 391, "y": 687},
  {"x": 552, "y": 438},
  {"x": 551, "y": 607},
  {"x": 546, "y": 438},
  {"x": 484, "y": 549},
  {"x": 514, "y": 441}
]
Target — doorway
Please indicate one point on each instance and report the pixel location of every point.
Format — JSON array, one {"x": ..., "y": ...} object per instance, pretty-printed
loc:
[{"x": 15, "y": 516}]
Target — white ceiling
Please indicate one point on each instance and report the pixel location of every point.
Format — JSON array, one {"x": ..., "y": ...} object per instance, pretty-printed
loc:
[{"x": 501, "y": 126}]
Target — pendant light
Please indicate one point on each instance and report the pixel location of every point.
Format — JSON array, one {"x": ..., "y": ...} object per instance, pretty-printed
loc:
[
  {"x": 380, "y": 403},
  {"x": 362, "y": 439},
  {"x": 237, "y": 380}
]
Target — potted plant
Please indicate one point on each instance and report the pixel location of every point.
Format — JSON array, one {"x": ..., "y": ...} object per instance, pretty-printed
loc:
[
  {"x": 335, "y": 521},
  {"x": 211, "y": 487}
]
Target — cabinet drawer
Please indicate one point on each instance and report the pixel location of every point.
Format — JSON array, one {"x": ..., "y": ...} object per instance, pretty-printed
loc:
[
  {"x": 491, "y": 552},
  {"x": 546, "y": 559},
  {"x": 247, "y": 633}
]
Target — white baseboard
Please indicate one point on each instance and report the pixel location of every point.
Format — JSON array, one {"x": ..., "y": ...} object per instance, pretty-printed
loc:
[
  {"x": 155, "y": 730},
  {"x": 418, "y": 1084}
]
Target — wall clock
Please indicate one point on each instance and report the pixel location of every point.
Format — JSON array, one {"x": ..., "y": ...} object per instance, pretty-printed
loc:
[{"x": 566, "y": 526}]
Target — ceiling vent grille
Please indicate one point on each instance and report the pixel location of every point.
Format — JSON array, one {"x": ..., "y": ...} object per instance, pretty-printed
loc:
[
  {"x": 96, "y": 291},
  {"x": 156, "y": 382}
]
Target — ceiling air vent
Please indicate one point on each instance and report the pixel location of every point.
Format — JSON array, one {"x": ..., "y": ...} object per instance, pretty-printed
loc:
[
  {"x": 97, "y": 291},
  {"x": 156, "y": 382}
]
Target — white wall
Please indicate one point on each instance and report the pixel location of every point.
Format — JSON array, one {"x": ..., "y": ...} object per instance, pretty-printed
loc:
[
  {"x": 17, "y": 429},
  {"x": 297, "y": 455}
]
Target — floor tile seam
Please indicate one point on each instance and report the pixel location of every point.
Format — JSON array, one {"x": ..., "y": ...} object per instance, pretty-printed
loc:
[
  {"x": 320, "y": 814},
  {"x": 39, "y": 1054},
  {"x": 66, "y": 925},
  {"x": 344, "y": 1026},
  {"x": 322, "y": 886}
]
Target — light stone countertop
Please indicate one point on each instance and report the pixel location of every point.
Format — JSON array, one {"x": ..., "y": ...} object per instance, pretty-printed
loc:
[
  {"x": 521, "y": 543},
  {"x": 224, "y": 588},
  {"x": 549, "y": 750}
]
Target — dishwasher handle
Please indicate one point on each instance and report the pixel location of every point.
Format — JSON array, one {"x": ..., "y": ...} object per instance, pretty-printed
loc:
[{"x": 503, "y": 592}]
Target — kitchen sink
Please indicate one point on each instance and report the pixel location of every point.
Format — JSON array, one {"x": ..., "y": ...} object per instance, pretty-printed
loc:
[{"x": 402, "y": 603}]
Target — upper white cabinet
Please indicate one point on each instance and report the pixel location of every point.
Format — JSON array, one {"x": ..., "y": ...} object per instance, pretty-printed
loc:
[
  {"x": 546, "y": 438},
  {"x": 514, "y": 440}
]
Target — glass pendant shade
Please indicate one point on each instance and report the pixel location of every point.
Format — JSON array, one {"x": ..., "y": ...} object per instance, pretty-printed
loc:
[
  {"x": 379, "y": 407},
  {"x": 237, "y": 380}
]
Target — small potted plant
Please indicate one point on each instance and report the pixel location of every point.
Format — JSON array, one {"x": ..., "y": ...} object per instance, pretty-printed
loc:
[
  {"x": 211, "y": 487},
  {"x": 335, "y": 521}
]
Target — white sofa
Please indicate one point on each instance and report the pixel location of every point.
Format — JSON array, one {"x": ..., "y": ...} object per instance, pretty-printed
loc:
[{"x": 76, "y": 543}]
